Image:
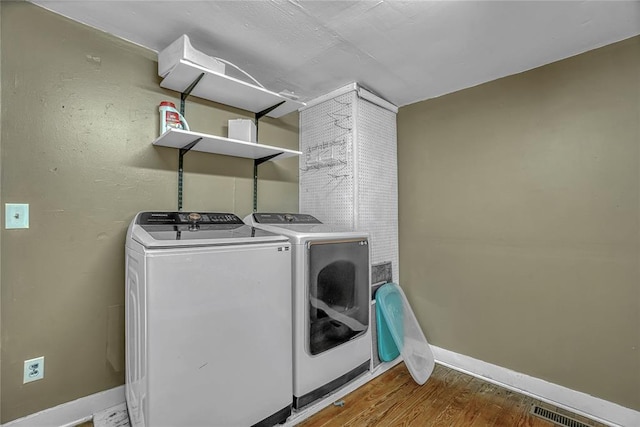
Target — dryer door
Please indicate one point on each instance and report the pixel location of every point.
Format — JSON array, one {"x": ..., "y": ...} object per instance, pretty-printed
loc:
[{"x": 338, "y": 293}]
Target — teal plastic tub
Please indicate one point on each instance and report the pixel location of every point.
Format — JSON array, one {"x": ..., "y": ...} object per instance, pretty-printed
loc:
[{"x": 405, "y": 332}]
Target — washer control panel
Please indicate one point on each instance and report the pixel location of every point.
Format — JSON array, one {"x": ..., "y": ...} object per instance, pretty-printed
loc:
[
  {"x": 284, "y": 218},
  {"x": 177, "y": 218}
]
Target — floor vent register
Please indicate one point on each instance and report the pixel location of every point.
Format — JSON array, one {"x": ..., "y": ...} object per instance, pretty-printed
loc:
[{"x": 556, "y": 417}]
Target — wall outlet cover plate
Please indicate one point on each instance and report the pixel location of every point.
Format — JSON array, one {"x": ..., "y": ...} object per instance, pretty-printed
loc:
[{"x": 33, "y": 369}]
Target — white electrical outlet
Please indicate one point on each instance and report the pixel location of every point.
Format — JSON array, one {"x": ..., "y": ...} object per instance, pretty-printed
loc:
[{"x": 33, "y": 369}]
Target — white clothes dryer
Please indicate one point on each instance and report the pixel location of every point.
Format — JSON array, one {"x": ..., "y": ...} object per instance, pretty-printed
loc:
[
  {"x": 331, "y": 298},
  {"x": 208, "y": 322}
]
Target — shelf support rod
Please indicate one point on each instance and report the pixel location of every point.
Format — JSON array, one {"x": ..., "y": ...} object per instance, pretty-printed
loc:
[
  {"x": 184, "y": 95},
  {"x": 256, "y": 163},
  {"x": 184, "y": 150}
]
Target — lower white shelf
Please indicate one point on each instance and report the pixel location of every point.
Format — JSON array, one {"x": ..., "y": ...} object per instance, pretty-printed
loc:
[{"x": 176, "y": 138}]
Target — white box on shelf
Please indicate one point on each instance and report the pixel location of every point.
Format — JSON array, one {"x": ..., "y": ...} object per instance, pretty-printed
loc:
[
  {"x": 170, "y": 56},
  {"x": 242, "y": 129}
]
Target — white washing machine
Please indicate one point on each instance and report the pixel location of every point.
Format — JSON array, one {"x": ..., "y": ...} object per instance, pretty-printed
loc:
[
  {"x": 331, "y": 292},
  {"x": 208, "y": 322}
]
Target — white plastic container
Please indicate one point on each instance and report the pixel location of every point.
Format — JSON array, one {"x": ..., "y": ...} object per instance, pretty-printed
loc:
[
  {"x": 170, "y": 117},
  {"x": 242, "y": 129},
  {"x": 182, "y": 49},
  {"x": 406, "y": 331}
]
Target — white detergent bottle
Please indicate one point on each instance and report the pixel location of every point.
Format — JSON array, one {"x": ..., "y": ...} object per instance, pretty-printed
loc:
[{"x": 170, "y": 117}]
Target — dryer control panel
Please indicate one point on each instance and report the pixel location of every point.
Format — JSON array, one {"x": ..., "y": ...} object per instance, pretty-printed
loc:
[{"x": 284, "y": 218}]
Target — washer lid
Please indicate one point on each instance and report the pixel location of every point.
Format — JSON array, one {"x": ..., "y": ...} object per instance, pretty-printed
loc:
[{"x": 169, "y": 229}]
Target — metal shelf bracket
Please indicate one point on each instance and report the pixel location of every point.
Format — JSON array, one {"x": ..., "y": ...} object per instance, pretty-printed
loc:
[
  {"x": 184, "y": 150},
  {"x": 256, "y": 163},
  {"x": 184, "y": 95}
]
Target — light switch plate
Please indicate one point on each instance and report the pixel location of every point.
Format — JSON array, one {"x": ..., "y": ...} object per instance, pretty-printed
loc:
[{"x": 16, "y": 215}]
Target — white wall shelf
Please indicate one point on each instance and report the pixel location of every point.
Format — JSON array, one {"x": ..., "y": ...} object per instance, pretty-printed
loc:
[
  {"x": 191, "y": 79},
  {"x": 180, "y": 139},
  {"x": 227, "y": 90}
]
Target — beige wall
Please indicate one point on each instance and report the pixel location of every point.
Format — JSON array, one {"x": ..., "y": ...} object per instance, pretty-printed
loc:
[
  {"x": 0, "y": 215},
  {"x": 519, "y": 221},
  {"x": 80, "y": 109}
]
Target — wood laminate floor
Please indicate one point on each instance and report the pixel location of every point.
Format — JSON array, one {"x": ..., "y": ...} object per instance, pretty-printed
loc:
[{"x": 448, "y": 399}]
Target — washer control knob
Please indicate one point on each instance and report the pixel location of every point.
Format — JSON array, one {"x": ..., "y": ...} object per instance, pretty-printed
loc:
[
  {"x": 194, "y": 217},
  {"x": 289, "y": 217}
]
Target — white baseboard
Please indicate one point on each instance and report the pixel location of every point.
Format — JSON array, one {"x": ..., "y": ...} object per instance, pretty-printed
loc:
[
  {"x": 577, "y": 402},
  {"x": 80, "y": 410},
  {"x": 74, "y": 412}
]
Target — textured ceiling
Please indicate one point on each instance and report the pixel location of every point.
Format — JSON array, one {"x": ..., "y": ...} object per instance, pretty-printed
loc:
[{"x": 405, "y": 51}]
